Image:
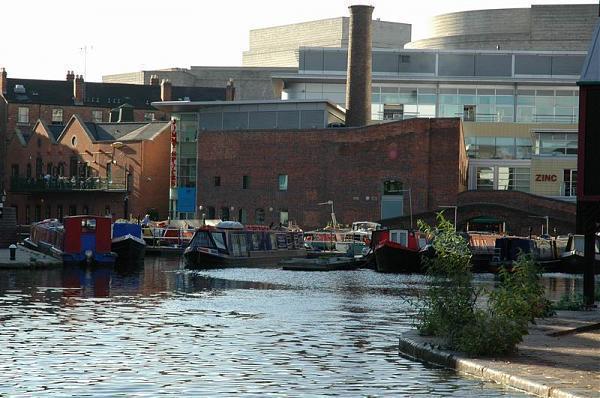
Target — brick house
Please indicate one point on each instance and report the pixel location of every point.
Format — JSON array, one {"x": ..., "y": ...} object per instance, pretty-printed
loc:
[
  {"x": 25, "y": 101},
  {"x": 83, "y": 167}
]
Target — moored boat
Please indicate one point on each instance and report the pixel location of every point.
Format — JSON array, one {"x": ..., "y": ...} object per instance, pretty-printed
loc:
[
  {"x": 79, "y": 239},
  {"x": 544, "y": 251},
  {"x": 572, "y": 258},
  {"x": 398, "y": 250},
  {"x": 231, "y": 244},
  {"x": 127, "y": 242}
]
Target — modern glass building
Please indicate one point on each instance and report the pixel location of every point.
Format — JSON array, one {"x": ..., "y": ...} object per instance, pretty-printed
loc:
[{"x": 520, "y": 108}]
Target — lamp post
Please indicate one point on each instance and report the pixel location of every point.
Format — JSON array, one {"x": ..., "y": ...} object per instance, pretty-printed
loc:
[{"x": 455, "y": 211}]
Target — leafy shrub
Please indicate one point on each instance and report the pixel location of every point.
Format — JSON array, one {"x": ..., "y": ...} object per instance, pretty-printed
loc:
[
  {"x": 570, "y": 303},
  {"x": 490, "y": 335},
  {"x": 449, "y": 305}
]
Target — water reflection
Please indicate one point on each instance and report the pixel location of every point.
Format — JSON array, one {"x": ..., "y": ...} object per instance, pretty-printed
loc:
[{"x": 158, "y": 329}]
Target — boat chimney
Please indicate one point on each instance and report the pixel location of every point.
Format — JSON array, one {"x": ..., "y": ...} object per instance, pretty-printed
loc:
[{"x": 358, "y": 83}]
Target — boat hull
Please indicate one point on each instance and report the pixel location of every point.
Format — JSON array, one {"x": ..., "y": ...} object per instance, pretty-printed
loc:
[
  {"x": 203, "y": 258},
  {"x": 129, "y": 249},
  {"x": 397, "y": 259}
]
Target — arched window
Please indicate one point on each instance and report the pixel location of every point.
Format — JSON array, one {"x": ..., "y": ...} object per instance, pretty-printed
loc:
[
  {"x": 225, "y": 213},
  {"x": 259, "y": 216},
  {"x": 38, "y": 167},
  {"x": 28, "y": 172},
  {"x": 392, "y": 187}
]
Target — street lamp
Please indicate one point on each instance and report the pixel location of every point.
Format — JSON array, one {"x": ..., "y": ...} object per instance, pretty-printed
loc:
[
  {"x": 455, "y": 211},
  {"x": 333, "y": 219}
]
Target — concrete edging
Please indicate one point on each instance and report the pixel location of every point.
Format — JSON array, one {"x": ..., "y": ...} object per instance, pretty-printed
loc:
[{"x": 427, "y": 352}]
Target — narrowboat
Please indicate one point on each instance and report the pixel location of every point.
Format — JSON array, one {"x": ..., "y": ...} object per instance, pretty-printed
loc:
[
  {"x": 572, "y": 257},
  {"x": 544, "y": 251},
  {"x": 324, "y": 239},
  {"x": 357, "y": 241},
  {"x": 398, "y": 250},
  {"x": 127, "y": 242},
  {"x": 231, "y": 244},
  {"x": 79, "y": 239}
]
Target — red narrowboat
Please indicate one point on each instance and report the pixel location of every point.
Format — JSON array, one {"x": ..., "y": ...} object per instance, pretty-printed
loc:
[{"x": 398, "y": 250}]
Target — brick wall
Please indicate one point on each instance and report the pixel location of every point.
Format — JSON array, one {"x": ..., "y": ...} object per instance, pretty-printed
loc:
[{"x": 347, "y": 166}]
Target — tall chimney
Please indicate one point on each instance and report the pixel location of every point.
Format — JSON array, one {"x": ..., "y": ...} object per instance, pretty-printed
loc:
[
  {"x": 165, "y": 90},
  {"x": 3, "y": 81},
  {"x": 78, "y": 89},
  {"x": 230, "y": 91},
  {"x": 70, "y": 76},
  {"x": 154, "y": 80},
  {"x": 358, "y": 83}
]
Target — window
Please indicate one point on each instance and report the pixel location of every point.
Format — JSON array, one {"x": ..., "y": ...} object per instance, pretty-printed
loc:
[
  {"x": 48, "y": 211},
  {"x": 245, "y": 182},
  {"x": 107, "y": 211},
  {"x": 57, "y": 116},
  {"x": 225, "y": 213},
  {"x": 23, "y": 115},
  {"x": 485, "y": 178},
  {"x": 556, "y": 144},
  {"x": 73, "y": 210},
  {"x": 38, "y": 213},
  {"x": 392, "y": 187},
  {"x": 28, "y": 172},
  {"x": 14, "y": 170},
  {"x": 149, "y": 116},
  {"x": 27, "y": 215},
  {"x": 97, "y": 116},
  {"x": 49, "y": 167},
  {"x": 217, "y": 181},
  {"x": 39, "y": 167},
  {"x": 59, "y": 212},
  {"x": 243, "y": 216},
  {"x": 259, "y": 216},
  {"x": 469, "y": 113},
  {"x": 393, "y": 112},
  {"x": 570, "y": 182},
  {"x": 61, "y": 169},
  {"x": 503, "y": 178},
  {"x": 283, "y": 182},
  {"x": 73, "y": 141},
  {"x": 513, "y": 179},
  {"x": 73, "y": 166},
  {"x": 283, "y": 216},
  {"x": 109, "y": 172},
  {"x": 211, "y": 213}
]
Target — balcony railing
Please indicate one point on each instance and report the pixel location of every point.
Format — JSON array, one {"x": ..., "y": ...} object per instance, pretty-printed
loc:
[{"x": 66, "y": 184}]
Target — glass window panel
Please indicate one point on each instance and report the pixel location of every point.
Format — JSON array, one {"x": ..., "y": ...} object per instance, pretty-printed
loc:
[
  {"x": 486, "y": 147},
  {"x": 505, "y": 147},
  {"x": 428, "y": 99},
  {"x": 566, "y": 101},
  {"x": 525, "y": 100},
  {"x": 448, "y": 99},
  {"x": 505, "y": 100},
  {"x": 390, "y": 98},
  {"x": 466, "y": 99},
  {"x": 426, "y": 110},
  {"x": 485, "y": 178},
  {"x": 452, "y": 91},
  {"x": 425, "y": 90},
  {"x": 525, "y": 114},
  {"x": 449, "y": 111},
  {"x": 388, "y": 90},
  {"x": 408, "y": 97},
  {"x": 486, "y": 100},
  {"x": 504, "y": 113}
]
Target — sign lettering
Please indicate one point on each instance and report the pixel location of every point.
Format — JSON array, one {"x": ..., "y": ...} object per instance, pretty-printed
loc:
[{"x": 546, "y": 177}]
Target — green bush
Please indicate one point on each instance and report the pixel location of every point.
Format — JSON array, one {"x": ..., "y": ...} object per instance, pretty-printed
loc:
[
  {"x": 490, "y": 335},
  {"x": 449, "y": 305},
  {"x": 570, "y": 303}
]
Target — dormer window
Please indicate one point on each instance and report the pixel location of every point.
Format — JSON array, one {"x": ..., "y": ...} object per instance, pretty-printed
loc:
[{"x": 57, "y": 116}]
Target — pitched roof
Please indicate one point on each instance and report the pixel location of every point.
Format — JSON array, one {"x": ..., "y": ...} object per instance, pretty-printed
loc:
[
  {"x": 102, "y": 95},
  {"x": 124, "y": 131},
  {"x": 590, "y": 74}
]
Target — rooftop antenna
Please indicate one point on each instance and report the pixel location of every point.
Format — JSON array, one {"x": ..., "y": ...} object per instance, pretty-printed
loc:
[{"x": 84, "y": 51}]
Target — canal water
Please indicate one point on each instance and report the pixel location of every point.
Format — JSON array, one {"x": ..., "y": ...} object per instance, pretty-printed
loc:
[{"x": 162, "y": 330}]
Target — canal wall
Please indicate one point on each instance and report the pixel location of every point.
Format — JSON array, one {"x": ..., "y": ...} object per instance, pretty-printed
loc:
[
  {"x": 8, "y": 227},
  {"x": 544, "y": 365}
]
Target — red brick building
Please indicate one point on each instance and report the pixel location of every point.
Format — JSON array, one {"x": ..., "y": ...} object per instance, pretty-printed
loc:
[
  {"x": 25, "y": 101},
  {"x": 118, "y": 169},
  {"x": 270, "y": 176}
]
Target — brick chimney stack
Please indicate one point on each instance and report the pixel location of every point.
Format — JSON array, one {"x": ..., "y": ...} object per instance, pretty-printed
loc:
[
  {"x": 70, "y": 75},
  {"x": 230, "y": 91},
  {"x": 78, "y": 89},
  {"x": 358, "y": 83},
  {"x": 165, "y": 90},
  {"x": 3, "y": 81},
  {"x": 154, "y": 80}
]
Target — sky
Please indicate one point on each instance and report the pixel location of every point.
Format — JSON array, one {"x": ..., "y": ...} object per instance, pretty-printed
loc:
[{"x": 42, "y": 39}]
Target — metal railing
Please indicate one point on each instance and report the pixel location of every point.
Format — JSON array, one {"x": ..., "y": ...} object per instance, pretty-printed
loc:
[{"x": 66, "y": 184}]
